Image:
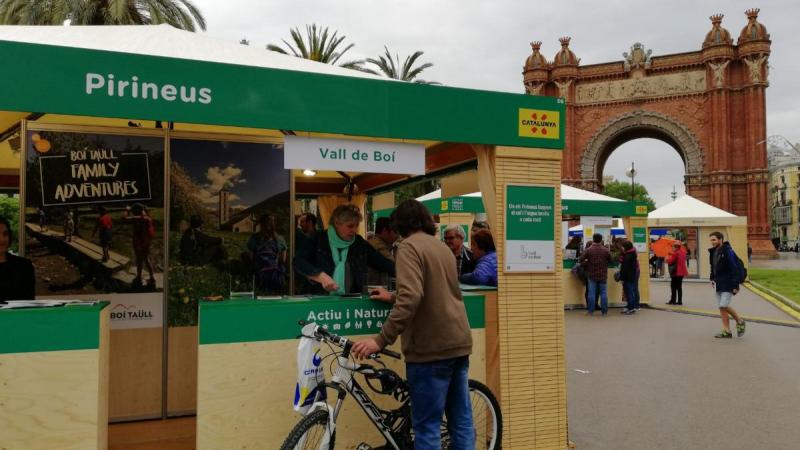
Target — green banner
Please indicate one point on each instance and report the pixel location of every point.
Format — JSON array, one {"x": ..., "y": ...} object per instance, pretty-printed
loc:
[
  {"x": 66, "y": 80},
  {"x": 268, "y": 320},
  {"x": 639, "y": 234},
  {"x": 529, "y": 213},
  {"x": 530, "y": 228}
]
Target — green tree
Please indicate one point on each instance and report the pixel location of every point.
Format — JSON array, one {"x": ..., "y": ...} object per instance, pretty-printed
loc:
[
  {"x": 622, "y": 191},
  {"x": 9, "y": 208},
  {"x": 318, "y": 45},
  {"x": 391, "y": 67},
  {"x": 178, "y": 13}
]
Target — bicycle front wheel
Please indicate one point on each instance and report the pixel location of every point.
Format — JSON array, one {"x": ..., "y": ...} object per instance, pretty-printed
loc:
[
  {"x": 486, "y": 416},
  {"x": 311, "y": 433}
]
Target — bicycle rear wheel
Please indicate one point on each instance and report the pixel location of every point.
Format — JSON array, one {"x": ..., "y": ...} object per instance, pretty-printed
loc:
[
  {"x": 311, "y": 433},
  {"x": 486, "y": 417}
]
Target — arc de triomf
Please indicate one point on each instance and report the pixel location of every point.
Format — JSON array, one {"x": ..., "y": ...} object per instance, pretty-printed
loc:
[{"x": 708, "y": 104}]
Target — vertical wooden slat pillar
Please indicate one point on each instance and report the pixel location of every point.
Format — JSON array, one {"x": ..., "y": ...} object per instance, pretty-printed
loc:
[{"x": 531, "y": 319}]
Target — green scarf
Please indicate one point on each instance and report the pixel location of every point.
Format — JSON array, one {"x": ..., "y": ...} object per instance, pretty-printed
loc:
[{"x": 339, "y": 249}]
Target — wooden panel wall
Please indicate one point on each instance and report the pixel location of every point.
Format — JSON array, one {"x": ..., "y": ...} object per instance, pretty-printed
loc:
[
  {"x": 182, "y": 371},
  {"x": 135, "y": 371},
  {"x": 57, "y": 399},
  {"x": 531, "y": 320}
]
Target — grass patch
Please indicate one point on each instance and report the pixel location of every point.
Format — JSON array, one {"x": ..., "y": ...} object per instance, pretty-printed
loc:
[{"x": 784, "y": 282}]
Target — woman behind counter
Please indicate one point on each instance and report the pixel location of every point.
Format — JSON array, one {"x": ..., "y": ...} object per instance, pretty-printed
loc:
[
  {"x": 17, "y": 280},
  {"x": 483, "y": 249},
  {"x": 337, "y": 259}
]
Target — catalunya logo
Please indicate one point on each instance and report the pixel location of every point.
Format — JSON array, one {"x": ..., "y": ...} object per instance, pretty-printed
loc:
[{"x": 539, "y": 123}]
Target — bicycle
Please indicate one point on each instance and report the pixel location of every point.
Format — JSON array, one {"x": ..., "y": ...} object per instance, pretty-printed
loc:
[{"x": 317, "y": 429}]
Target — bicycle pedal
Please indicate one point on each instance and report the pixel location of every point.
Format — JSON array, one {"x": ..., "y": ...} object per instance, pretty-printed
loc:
[{"x": 363, "y": 446}]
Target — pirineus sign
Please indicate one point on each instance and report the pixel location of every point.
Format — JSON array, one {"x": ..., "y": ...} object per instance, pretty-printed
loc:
[{"x": 353, "y": 156}]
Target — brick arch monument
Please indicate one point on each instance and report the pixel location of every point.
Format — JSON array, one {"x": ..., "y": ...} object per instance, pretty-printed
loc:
[{"x": 709, "y": 105}]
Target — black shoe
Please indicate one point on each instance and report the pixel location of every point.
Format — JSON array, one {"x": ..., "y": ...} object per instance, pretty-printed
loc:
[{"x": 671, "y": 302}]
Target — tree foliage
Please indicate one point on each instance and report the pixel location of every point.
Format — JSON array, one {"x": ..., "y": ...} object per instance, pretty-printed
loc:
[
  {"x": 9, "y": 208},
  {"x": 181, "y": 14},
  {"x": 392, "y": 68},
  {"x": 318, "y": 44},
  {"x": 622, "y": 190}
]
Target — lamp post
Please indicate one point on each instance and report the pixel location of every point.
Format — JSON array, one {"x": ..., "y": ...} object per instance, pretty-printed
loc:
[{"x": 632, "y": 174}]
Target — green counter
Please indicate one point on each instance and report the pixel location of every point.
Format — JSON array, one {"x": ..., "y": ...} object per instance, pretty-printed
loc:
[
  {"x": 50, "y": 329},
  {"x": 250, "y": 320}
]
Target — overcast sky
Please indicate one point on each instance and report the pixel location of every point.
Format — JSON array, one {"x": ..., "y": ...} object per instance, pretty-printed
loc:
[{"x": 483, "y": 44}]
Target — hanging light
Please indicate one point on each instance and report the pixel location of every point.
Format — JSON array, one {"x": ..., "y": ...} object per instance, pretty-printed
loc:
[{"x": 309, "y": 172}]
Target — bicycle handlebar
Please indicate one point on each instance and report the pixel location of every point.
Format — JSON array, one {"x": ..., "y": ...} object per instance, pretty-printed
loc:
[{"x": 342, "y": 341}]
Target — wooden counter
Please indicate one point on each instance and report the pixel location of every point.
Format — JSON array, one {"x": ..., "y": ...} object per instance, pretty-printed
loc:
[{"x": 54, "y": 378}]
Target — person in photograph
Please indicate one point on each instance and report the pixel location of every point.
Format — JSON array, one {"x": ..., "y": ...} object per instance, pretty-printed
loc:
[
  {"x": 676, "y": 262},
  {"x": 197, "y": 248},
  {"x": 269, "y": 253},
  {"x": 337, "y": 259},
  {"x": 454, "y": 238},
  {"x": 428, "y": 312},
  {"x": 42, "y": 216},
  {"x": 17, "y": 276},
  {"x": 103, "y": 227},
  {"x": 143, "y": 234},
  {"x": 485, "y": 273},
  {"x": 69, "y": 225}
]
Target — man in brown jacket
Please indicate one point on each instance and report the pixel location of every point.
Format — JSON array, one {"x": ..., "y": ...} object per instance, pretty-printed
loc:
[
  {"x": 430, "y": 316},
  {"x": 595, "y": 261}
]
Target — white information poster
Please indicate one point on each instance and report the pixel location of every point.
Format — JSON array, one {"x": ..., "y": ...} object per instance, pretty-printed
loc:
[{"x": 353, "y": 156}]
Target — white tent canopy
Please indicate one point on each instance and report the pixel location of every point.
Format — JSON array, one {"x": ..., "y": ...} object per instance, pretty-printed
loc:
[
  {"x": 688, "y": 207},
  {"x": 567, "y": 193},
  {"x": 164, "y": 40}
]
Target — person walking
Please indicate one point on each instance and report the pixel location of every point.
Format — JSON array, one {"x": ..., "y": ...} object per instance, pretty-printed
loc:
[
  {"x": 629, "y": 276},
  {"x": 430, "y": 315},
  {"x": 676, "y": 262},
  {"x": 727, "y": 272},
  {"x": 595, "y": 260}
]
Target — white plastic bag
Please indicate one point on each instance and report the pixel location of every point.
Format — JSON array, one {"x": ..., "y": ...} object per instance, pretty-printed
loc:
[{"x": 309, "y": 371}]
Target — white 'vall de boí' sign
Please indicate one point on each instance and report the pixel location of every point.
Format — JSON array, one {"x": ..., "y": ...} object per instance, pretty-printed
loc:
[{"x": 353, "y": 156}]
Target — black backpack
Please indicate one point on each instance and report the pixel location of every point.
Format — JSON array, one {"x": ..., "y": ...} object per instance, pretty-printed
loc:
[{"x": 742, "y": 268}]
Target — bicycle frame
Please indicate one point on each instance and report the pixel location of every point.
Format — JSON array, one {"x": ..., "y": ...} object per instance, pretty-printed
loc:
[{"x": 344, "y": 383}]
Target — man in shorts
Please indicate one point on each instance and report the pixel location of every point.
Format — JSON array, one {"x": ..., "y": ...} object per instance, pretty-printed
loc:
[{"x": 726, "y": 275}]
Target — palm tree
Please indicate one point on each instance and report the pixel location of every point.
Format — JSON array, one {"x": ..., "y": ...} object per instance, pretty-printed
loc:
[
  {"x": 178, "y": 13},
  {"x": 391, "y": 67},
  {"x": 319, "y": 45}
]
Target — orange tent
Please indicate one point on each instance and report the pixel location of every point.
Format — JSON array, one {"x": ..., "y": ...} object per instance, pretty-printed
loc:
[{"x": 663, "y": 247}]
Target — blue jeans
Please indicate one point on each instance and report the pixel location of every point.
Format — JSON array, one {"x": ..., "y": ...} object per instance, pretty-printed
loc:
[
  {"x": 437, "y": 388},
  {"x": 632, "y": 293},
  {"x": 593, "y": 287}
]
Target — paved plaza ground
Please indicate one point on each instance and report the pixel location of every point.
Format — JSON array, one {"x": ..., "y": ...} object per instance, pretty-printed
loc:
[{"x": 659, "y": 380}]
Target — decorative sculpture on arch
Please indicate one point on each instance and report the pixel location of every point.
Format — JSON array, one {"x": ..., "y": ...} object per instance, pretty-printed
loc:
[
  {"x": 719, "y": 72},
  {"x": 754, "y": 65},
  {"x": 638, "y": 58},
  {"x": 563, "y": 88}
]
